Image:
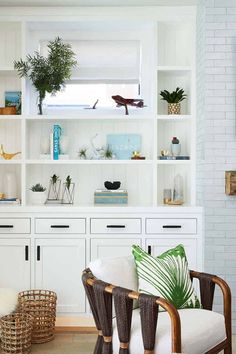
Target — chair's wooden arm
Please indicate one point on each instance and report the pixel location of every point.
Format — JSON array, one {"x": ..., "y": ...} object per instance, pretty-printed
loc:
[
  {"x": 226, "y": 296},
  {"x": 172, "y": 312}
]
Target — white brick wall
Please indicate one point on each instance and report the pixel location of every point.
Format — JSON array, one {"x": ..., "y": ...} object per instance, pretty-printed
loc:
[{"x": 216, "y": 134}]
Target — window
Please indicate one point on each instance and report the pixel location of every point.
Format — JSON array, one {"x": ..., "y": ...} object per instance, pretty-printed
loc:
[{"x": 105, "y": 68}]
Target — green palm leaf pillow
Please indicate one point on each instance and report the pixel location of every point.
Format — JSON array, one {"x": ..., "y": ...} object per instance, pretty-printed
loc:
[{"x": 166, "y": 276}]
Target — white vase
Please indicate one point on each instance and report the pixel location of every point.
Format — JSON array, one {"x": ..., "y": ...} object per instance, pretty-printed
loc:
[
  {"x": 45, "y": 145},
  {"x": 64, "y": 144},
  {"x": 10, "y": 185},
  {"x": 37, "y": 198},
  {"x": 175, "y": 149}
]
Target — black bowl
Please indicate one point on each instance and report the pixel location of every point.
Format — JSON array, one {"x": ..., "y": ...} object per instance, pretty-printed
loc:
[{"x": 112, "y": 185}]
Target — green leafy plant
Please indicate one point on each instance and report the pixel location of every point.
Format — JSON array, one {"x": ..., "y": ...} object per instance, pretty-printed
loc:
[
  {"x": 68, "y": 182},
  {"x": 38, "y": 188},
  {"x": 54, "y": 179},
  {"x": 83, "y": 153},
  {"x": 173, "y": 97},
  {"x": 48, "y": 74},
  {"x": 107, "y": 153}
]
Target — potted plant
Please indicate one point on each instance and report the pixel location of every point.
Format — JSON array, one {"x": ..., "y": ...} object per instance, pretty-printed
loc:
[
  {"x": 173, "y": 99},
  {"x": 83, "y": 153},
  {"x": 48, "y": 74},
  {"x": 68, "y": 191},
  {"x": 107, "y": 153},
  {"x": 38, "y": 195},
  {"x": 54, "y": 188}
]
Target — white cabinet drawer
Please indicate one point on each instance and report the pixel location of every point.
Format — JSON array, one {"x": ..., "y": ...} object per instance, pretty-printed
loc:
[
  {"x": 60, "y": 226},
  {"x": 115, "y": 226},
  {"x": 14, "y": 226},
  {"x": 171, "y": 226},
  {"x": 161, "y": 245}
]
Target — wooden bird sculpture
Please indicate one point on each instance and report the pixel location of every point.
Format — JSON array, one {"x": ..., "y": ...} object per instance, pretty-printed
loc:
[{"x": 7, "y": 156}]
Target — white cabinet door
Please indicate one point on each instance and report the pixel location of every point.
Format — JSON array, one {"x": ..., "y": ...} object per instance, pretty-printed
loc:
[
  {"x": 160, "y": 245},
  {"x": 114, "y": 247},
  {"x": 15, "y": 264},
  {"x": 58, "y": 266}
]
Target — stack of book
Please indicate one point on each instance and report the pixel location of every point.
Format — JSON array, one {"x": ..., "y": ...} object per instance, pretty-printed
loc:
[
  {"x": 119, "y": 196},
  {"x": 9, "y": 201}
]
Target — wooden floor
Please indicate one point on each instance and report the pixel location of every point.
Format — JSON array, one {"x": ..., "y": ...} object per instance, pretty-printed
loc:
[
  {"x": 74, "y": 343},
  {"x": 67, "y": 343}
]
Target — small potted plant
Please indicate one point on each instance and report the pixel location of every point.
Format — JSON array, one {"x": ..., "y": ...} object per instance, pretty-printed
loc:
[
  {"x": 107, "y": 153},
  {"x": 54, "y": 188},
  {"x": 38, "y": 195},
  {"x": 173, "y": 99},
  {"x": 83, "y": 153},
  {"x": 68, "y": 191}
]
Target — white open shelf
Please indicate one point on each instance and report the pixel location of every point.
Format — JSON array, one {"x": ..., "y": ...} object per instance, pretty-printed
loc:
[{"x": 170, "y": 64}]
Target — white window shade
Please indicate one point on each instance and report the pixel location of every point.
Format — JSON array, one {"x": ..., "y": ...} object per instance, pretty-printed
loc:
[{"x": 110, "y": 61}]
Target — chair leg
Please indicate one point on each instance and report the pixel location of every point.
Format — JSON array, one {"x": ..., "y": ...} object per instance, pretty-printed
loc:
[{"x": 228, "y": 350}]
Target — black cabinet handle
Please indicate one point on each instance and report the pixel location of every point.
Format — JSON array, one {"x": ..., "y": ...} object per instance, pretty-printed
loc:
[
  {"x": 26, "y": 253},
  {"x": 38, "y": 253},
  {"x": 6, "y": 226},
  {"x": 149, "y": 249},
  {"x": 171, "y": 226},
  {"x": 60, "y": 226},
  {"x": 115, "y": 226}
]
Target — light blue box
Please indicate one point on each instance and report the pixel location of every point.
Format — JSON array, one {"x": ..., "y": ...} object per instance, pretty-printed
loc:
[{"x": 123, "y": 145}]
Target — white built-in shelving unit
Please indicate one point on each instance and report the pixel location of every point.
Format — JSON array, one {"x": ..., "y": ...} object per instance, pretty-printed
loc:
[{"x": 168, "y": 61}]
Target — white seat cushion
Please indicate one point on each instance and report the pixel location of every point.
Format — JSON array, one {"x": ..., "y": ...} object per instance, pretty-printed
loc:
[
  {"x": 8, "y": 301},
  {"x": 119, "y": 271},
  {"x": 201, "y": 330}
]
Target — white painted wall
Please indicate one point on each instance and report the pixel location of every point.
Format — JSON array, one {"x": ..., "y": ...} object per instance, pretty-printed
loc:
[{"x": 216, "y": 135}]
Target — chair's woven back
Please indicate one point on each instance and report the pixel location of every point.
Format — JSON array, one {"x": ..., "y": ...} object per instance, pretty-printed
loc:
[{"x": 101, "y": 306}]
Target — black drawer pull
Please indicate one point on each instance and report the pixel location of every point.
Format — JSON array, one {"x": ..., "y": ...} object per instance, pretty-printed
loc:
[
  {"x": 60, "y": 226},
  {"x": 115, "y": 226},
  {"x": 149, "y": 249},
  {"x": 26, "y": 253},
  {"x": 6, "y": 226},
  {"x": 38, "y": 253},
  {"x": 171, "y": 226}
]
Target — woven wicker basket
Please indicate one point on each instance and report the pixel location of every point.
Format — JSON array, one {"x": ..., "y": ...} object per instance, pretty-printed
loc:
[
  {"x": 41, "y": 304},
  {"x": 16, "y": 333}
]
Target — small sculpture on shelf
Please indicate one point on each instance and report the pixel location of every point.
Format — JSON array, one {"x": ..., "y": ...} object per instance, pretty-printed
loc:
[
  {"x": 94, "y": 105},
  {"x": 7, "y": 156},
  {"x": 54, "y": 189},
  {"x": 125, "y": 102},
  {"x": 173, "y": 99},
  {"x": 137, "y": 156},
  {"x": 112, "y": 185},
  {"x": 68, "y": 191}
]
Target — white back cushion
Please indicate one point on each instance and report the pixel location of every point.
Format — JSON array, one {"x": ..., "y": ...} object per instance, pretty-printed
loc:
[{"x": 119, "y": 271}]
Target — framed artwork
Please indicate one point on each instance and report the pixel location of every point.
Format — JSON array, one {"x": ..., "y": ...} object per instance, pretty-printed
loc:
[
  {"x": 13, "y": 99},
  {"x": 123, "y": 145}
]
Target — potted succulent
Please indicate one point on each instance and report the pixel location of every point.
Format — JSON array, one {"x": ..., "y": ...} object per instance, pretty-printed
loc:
[
  {"x": 48, "y": 74},
  {"x": 38, "y": 195},
  {"x": 173, "y": 99}
]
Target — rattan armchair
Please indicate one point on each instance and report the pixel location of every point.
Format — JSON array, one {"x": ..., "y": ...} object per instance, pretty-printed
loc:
[{"x": 101, "y": 295}]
